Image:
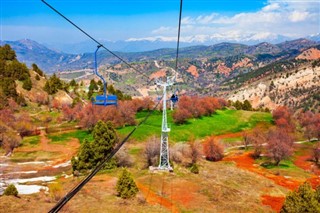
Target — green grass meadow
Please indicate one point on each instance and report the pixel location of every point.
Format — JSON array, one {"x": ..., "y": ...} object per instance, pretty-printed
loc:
[
  {"x": 222, "y": 122},
  {"x": 64, "y": 137}
]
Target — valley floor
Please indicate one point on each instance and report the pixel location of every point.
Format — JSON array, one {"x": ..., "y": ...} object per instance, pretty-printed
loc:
[{"x": 236, "y": 184}]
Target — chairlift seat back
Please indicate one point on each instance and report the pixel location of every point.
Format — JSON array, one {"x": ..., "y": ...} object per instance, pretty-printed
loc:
[{"x": 106, "y": 100}]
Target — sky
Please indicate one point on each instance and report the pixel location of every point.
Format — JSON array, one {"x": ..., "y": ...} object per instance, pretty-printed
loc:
[{"x": 132, "y": 20}]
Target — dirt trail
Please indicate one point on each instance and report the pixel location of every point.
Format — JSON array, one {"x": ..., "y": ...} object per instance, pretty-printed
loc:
[
  {"x": 67, "y": 151},
  {"x": 153, "y": 198}
]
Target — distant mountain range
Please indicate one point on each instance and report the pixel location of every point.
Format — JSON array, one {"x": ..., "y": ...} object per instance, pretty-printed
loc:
[
  {"x": 50, "y": 60},
  {"x": 153, "y": 43}
]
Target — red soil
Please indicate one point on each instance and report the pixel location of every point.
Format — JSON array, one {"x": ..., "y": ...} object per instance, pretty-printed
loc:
[
  {"x": 185, "y": 196},
  {"x": 158, "y": 74},
  {"x": 153, "y": 198},
  {"x": 245, "y": 161},
  {"x": 230, "y": 135},
  {"x": 193, "y": 71},
  {"x": 274, "y": 202},
  {"x": 304, "y": 163},
  {"x": 310, "y": 54}
]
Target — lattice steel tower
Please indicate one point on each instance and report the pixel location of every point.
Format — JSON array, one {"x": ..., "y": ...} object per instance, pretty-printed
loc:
[{"x": 164, "y": 147}]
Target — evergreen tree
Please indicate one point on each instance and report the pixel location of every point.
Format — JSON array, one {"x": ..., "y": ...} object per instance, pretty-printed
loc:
[
  {"x": 37, "y": 69},
  {"x": 53, "y": 84},
  {"x": 105, "y": 138},
  {"x": 73, "y": 83},
  {"x": 27, "y": 84},
  {"x": 126, "y": 186},
  {"x": 6, "y": 53},
  {"x": 11, "y": 190},
  {"x": 246, "y": 105},
  {"x": 93, "y": 85},
  {"x": 92, "y": 153},
  {"x": 305, "y": 199},
  {"x": 37, "y": 77},
  {"x": 85, "y": 157},
  {"x": 238, "y": 105}
]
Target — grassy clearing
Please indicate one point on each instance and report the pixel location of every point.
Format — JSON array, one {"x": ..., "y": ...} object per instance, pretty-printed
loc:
[
  {"x": 34, "y": 155},
  {"x": 222, "y": 122},
  {"x": 135, "y": 151},
  {"x": 63, "y": 138},
  {"x": 232, "y": 140},
  {"x": 30, "y": 141},
  {"x": 285, "y": 168}
]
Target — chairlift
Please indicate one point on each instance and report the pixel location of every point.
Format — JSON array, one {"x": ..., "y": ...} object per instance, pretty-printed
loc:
[{"x": 103, "y": 100}]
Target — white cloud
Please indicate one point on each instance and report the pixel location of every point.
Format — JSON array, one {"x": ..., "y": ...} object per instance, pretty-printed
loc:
[
  {"x": 162, "y": 30},
  {"x": 297, "y": 16},
  {"x": 271, "y": 7},
  {"x": 278, "y": 18}
]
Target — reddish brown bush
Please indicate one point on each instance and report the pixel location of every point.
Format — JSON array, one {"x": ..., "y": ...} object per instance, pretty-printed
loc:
[
  {"x": 41, "y": 98},
  {"x": 90, "y": 115},
  {"x": 23, "y": 124},
  {"x": 280, "y": 145},
  {"x": 257, "y": 138},
  {"x": 310, "y": 123},
  {"x": 283, "y": 118},
  {"x": 10, "y": 140},
  {"x": 316, "y": 152},
  {"x": 212, "y": 149},
  {"x": 181, "y": 116},
  {"x": 195, "y": 107},
  {"x": 56, "y": 104},
  {"x": 143, "y": 104}
]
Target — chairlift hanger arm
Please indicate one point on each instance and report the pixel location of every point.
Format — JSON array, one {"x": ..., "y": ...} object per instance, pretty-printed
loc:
[{"x": 96, "y": 71}]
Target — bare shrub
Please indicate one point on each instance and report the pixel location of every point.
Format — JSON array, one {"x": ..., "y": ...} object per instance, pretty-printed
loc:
[
  {"x": 10, "y": 140},
  {"x": 194, "y": 150},
  {"x": 177, "y": 153},
  {"x": 280, "y": 145},
  {"x": 55, "y": 191},
  {"x": 152, "y": 151},
  {"x": 257, "y": 138},
  {"x": 316, "y": 153},
  {"x": 212, "y": 149},
  {"x": 123, "y": 159}
]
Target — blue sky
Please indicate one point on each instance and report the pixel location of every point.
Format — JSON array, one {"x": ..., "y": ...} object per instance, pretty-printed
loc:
[{"x": 203, "y": 20}]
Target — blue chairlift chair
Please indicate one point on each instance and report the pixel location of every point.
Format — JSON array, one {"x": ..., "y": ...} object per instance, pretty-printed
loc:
[{"x": 103, "y": 100}]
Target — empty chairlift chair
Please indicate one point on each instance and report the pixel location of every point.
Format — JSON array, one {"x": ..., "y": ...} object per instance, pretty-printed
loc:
[{"x": 103, "y": 100}]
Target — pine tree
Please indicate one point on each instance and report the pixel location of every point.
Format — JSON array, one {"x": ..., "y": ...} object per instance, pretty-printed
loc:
[
  {"x": 126, "y": 186},
  {"x": 53, "y": 85},
  {"x": 27, "y": 84},
  {"x": 37, "y": 69},
  {"x": 11, "y": 190},
  {"x": 92, "y": 153},
  {"x": 105, "y": 138},
  {"x": 305, "y": 199},
  {"x": 73, "y": 83},
  {"x": 246, "y": 105},
  {"x": 85, "y": 159},
  {"x": 7, "y": 53}
]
